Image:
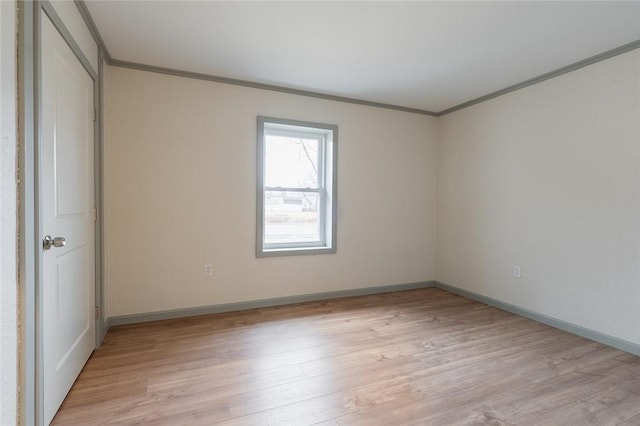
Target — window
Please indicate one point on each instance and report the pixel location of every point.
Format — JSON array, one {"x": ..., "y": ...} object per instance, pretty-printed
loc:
[{"x": 296, "y": 187}]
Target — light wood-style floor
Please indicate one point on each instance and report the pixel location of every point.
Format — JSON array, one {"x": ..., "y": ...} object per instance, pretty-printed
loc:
[{"x": 419, "y": 357}]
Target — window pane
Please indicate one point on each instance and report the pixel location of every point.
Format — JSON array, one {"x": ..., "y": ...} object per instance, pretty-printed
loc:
[
  {"x": 291, "y": 217},
  {"x": 291, "y": 162}
]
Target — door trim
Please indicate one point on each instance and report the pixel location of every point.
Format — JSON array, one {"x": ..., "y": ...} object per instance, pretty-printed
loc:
[
  {"x": 30, "y": 279},
  {"x": 47, "y": 7},
  {"x": 28, "y": 51}
]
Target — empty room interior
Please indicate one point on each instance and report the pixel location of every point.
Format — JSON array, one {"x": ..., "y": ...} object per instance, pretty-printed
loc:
[{"x": 319, "y": 213}]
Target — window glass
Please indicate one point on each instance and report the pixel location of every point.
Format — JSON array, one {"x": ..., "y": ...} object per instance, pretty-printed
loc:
[
  {"x": 291, "y": 217},
  {"x": 291, "y": 162}
]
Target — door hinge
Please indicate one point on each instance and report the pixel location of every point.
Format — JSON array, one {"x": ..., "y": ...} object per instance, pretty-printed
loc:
[
  {"x": 97, "y": 313},
  {"x": 95, "y": 214},
  {"x": 95, "y": 114}
]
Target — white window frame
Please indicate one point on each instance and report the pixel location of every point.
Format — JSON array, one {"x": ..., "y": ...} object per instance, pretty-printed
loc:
[{"x": 327, "y": 137}]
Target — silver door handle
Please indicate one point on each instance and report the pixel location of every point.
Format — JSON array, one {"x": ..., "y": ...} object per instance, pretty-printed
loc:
[{"x": 53, "y": 242}]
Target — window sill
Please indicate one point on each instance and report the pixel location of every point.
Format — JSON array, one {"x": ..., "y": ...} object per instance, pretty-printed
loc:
[{"x": 295, "y": 251}]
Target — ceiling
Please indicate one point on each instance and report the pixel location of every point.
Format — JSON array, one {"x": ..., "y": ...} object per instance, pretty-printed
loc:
[{"x": 426, "y": 55}]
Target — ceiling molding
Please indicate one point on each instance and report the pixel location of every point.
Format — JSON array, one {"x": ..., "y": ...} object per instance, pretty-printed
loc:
[
  {"x": 546, "y": 76},
  {"x": 84, "y": 12},
  {"x": 272, "y": 87}
]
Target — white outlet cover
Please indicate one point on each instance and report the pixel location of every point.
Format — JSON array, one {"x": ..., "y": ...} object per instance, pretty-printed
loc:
[
  {"x": 208, "y": 269},
  {"x": 516, "y": 272}
]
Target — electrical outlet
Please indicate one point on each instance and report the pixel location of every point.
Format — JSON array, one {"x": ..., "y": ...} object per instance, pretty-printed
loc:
[
  {"x": 516, "y": 271},
  {"x": 208, "y": 269}
]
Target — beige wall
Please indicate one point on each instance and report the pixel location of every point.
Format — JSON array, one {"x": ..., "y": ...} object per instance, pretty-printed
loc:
[
  {"x": 180, "y": 159},
  {"x": 548, "y": 178},
  {"x": 8, "y": 233}
]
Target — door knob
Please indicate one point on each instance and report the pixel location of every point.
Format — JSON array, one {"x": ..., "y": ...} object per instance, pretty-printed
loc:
[{"x": 53, "y": 242}]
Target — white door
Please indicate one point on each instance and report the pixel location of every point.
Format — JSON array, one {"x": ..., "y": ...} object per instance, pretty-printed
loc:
[{"x": 67, "y": 211}]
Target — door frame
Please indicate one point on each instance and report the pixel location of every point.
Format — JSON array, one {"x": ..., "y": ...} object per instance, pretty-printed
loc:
[{"x": 30, "y": 253}]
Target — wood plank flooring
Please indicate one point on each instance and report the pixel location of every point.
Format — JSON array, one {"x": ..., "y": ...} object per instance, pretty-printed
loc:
[{"x": 418, "y": 357}]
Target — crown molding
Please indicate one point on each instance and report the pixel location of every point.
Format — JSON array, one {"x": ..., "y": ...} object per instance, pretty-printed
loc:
[
  {"x": 546, "y": 76},
  {"x": 84, "y": 11}
]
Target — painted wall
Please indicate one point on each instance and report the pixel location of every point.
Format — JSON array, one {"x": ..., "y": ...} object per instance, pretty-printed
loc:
[
  {"x": 180, "y": 159},
  {"x": 8, "y": 236},
  {"x": 548, "y": 178}
]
